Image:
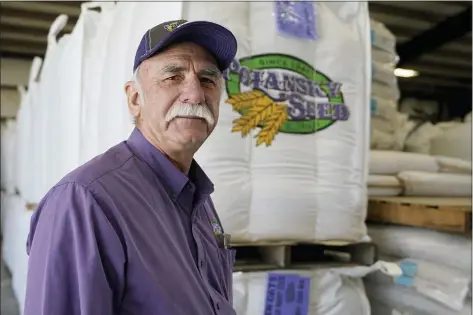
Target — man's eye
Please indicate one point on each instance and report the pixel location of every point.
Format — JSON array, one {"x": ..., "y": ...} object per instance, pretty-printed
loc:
[
  {"x": 206, "y": 80},
  {"x": 173, "y": 78}
]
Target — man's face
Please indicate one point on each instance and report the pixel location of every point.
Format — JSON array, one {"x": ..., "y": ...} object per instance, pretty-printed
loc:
[{"x": 177, "y": 98}]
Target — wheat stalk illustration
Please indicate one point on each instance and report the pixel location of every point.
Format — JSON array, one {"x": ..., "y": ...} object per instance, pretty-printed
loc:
[
  {"x": 261, "y": 110},
  {"x": 272, "y": 125}
]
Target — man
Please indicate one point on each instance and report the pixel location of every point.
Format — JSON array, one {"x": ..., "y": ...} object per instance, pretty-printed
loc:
[{"x": 134, "y": 231}]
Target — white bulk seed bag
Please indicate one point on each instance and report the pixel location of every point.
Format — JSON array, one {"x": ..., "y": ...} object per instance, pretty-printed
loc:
[
  {"x": 225, "y": 156},
  {"x": 316, "y": 148},
  {"x": 25, "y": 120},
  {"x": 93, "y": 64},
  {"x": 70, "y": 77},
  {"x": 46, "y": 111},
  {"x": 129, "y": 23}
]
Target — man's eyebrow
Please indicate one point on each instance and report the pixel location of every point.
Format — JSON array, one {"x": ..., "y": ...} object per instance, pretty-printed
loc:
[
  {"x": 213, "y": 72},
  {"x": 172, "y": 69}
]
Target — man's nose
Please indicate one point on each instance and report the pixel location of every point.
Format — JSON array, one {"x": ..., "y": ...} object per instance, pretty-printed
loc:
[{"x": 192, "y": 91}]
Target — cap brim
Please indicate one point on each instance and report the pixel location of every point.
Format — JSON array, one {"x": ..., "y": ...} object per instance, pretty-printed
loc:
[{"x": 216, "y": 39}]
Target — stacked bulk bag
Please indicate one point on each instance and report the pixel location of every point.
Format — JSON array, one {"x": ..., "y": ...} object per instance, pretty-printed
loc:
[
  {"x": 129, "y": 22},
  {"x": 283, "y": 178},
  {"x": 77, "y": 87},
  {"x": 16, "y": 228},
  {"x": 8, "y": 156},
  {"x": 416, "y": 174},
  {"x": 94, "y": 59},
  {"x": 389, "y": 127},
  {"x": 24, "y": 125},
  {"x": 45, "y": 108},
  {"x": 454, "y": 142}
]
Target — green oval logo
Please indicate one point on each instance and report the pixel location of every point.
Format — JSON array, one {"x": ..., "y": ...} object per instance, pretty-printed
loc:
[{"x": 281, "y": 93}]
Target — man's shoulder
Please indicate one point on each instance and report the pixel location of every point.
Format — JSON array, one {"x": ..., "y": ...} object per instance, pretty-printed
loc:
[{"x": 100, "y": 166}]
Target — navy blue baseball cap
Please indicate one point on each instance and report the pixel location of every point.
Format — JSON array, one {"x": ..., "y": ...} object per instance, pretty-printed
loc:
[{"x": 216, "y": 39}]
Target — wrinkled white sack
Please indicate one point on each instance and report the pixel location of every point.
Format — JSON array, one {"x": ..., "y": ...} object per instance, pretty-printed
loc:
[
  {"x": 8, "y": 155},
  {"x": 423, "y": 244},
  {"x": 384, "y": 57},
  {"x": 401, "y": 298},
  {"x": 453, "y": 165},
  {"x": 391, "y": 163},
  {"x": 418, "y": 183},
  {"x": 389, "y": 124},
  {"x": 383, "y": 181},
  {"x": 381, "y": 140},
  {"x": 383, "y": 73},
  {"x": 384, "y": 192},
  {"x": 333, "y": 291},
  {"x": 384, "y": 185},
  {"x": 445, "y": 285},
  {"x": 382, "y": 38},
  {"x": 390, "y": 92},
  {"x": 419, "y": 140},
  {"x": 455, "y": 142},
  {"x": 381, "y": 107},
  {"x": 467, "y": 117},
  {"x": 17, "y": 224}
]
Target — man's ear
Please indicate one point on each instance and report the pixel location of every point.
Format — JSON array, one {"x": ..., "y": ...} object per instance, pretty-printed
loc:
[{"x": 133, "y": 99}]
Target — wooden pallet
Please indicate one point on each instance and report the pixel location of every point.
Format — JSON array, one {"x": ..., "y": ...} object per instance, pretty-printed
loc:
[
  {"x": 443, "y": 214},
  {"x": 261, "y": 256}
]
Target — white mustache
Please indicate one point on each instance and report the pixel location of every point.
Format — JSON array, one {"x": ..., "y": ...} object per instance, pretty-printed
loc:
[{"x": 191, "y": 110}]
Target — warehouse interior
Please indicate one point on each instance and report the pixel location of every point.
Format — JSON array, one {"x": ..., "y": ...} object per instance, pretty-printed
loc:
[{"x": 417, "y": 154}]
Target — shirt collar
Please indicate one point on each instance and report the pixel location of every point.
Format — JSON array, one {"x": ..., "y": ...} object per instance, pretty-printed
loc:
[{"x": 173, "y": 179}]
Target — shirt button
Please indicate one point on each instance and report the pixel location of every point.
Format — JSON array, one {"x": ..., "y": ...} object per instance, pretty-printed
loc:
[
  {"x": 218, "y": 306},
  {"x": 195, "y": 219},
  {"x": 202, "y": 263}
]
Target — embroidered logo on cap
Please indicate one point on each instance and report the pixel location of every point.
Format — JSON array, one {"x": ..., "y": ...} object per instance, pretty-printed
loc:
[{"x": 173, "y": 25}]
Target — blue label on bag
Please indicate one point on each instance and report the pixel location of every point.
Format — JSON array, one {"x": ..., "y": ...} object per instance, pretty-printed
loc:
[
  {"x": 296, "y": 18},
  {"x": 408, "y": 267},
  {"x": 374, "y": 106},
  {"x": 404, "y": 281},
  {"x": 287, "y": 295}
]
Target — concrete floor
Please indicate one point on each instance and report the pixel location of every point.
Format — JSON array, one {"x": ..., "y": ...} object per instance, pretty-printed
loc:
[{"x": 9, "y": 304}]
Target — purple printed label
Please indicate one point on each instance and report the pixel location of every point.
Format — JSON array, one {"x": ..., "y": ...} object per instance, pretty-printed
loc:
[
  {"x": 287, "y": 295},
  {"x": 296, "y": 18}
]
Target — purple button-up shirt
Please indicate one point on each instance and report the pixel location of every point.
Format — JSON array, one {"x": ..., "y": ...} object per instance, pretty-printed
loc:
[{"x": 128, "y": 234}]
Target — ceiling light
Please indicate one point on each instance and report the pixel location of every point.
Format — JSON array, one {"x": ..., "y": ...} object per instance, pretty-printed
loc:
[{"x": 405, "y": 73}]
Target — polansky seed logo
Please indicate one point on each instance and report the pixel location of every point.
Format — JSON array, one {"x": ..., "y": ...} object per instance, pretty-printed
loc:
[{"x": 281, "y": 93}]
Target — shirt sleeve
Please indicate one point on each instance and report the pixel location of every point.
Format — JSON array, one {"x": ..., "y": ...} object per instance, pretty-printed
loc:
[{"x": 76, "y": 259}]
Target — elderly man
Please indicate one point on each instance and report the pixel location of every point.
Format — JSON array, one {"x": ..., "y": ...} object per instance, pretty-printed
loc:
[{"x": 134, "y": 231}]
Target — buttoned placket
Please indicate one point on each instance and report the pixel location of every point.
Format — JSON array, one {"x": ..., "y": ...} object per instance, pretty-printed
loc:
[{"x": 201, "y": 256}]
